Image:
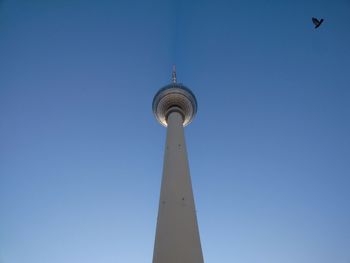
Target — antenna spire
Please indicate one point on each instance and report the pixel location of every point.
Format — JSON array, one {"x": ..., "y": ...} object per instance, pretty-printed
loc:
[{"x": 174, "y": 74}]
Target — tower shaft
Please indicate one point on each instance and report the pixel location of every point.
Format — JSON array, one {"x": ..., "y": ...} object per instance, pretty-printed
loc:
[{"x": 177, "y": 236}]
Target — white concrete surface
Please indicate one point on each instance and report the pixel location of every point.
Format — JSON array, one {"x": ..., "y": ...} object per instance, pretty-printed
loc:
[{"x": 177, "y": 236}]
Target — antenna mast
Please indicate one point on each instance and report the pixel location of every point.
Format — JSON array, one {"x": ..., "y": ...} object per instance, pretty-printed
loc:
[{"x": 174, "y": 74}]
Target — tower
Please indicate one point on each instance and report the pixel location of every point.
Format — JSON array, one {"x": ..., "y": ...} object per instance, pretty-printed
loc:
[{"x": 177, "y": 235}]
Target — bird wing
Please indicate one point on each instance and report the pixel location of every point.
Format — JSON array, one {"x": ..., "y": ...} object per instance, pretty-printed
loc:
[{"x": 315, "y": 21}]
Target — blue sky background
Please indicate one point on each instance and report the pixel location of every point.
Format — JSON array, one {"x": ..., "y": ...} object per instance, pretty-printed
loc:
[{"x": 81, "y": 154}]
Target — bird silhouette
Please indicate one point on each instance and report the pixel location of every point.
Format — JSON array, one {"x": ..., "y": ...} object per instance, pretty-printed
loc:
[{"x": 317, "y": 22}]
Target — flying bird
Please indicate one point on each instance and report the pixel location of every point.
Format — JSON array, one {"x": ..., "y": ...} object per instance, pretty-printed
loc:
[{"x": 317, "y": 22}]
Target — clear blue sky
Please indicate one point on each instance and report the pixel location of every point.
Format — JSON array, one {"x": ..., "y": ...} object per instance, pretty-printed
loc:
[{"x": 81, "y": 154}]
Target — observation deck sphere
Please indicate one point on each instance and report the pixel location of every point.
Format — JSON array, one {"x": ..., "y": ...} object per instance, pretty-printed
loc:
[{"x": 174, "y": 97}]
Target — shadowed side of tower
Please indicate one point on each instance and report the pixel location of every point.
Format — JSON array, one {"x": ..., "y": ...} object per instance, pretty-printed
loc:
[{"x": 177, "y": 235}]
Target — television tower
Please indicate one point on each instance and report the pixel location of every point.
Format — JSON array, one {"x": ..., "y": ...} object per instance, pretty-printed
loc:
[{"x": 177, "y": 235}]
